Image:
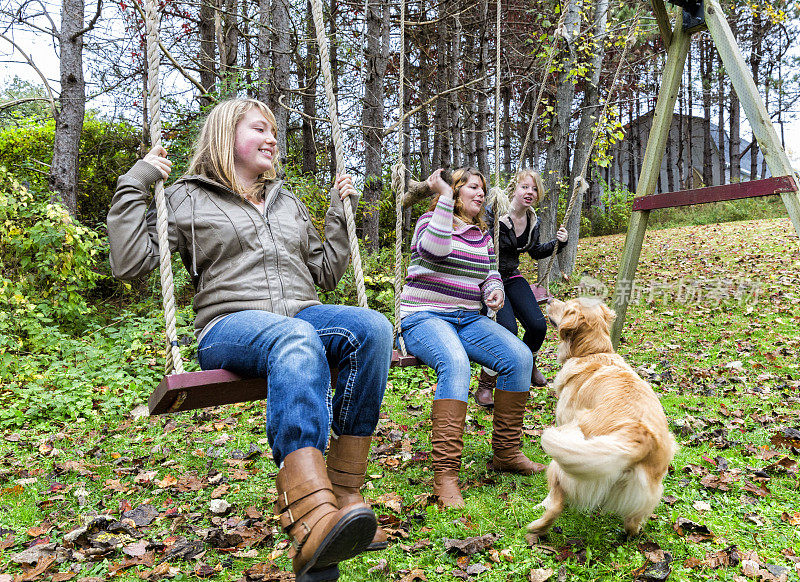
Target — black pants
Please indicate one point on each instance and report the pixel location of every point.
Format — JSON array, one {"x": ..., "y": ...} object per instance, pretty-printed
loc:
[{"x": 521, "y": 304}]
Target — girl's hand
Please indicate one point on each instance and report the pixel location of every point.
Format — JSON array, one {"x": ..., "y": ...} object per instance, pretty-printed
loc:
[
  {"x": 344, "y": 184},
  {"x": 495, "y": 300},
  {"x": 562, "y": 235},
  {"x": 157, "y": 157},
  {"x": 437, "y": 185}
]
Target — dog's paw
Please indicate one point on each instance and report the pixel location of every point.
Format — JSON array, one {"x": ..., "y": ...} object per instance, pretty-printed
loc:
[
  {"x": 537, "y": 528},
  {"x": 533, "y": 539}
]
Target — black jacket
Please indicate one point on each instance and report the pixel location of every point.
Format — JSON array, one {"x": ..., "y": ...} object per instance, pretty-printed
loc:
[{"x": 510, "y": 248}]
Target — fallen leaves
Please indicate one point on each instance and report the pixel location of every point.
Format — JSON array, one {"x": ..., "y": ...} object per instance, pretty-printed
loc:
[
  {"x": 469, "y": 546},
  {"x": 694, "y": 532}
]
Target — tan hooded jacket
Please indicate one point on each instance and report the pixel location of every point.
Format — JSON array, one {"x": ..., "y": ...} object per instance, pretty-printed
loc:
[{"x": 239, "y": 259}]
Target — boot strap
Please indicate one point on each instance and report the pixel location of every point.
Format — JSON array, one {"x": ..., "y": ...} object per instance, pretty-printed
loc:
[
  {"x": 300, "y": 510},
  {"x": 304, "y": 489},
  {"x": 346, "y": 465},
  {"x": 299, "y": 531},
  {"x": 345, "y": 479}
]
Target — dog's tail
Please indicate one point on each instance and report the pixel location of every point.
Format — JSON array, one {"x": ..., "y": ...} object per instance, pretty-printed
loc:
[{"x": 597, "y": 457}]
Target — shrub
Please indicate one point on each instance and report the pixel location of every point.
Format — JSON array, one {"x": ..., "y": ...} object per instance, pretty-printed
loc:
[
  {"x": 48, "y": 263},
  {"x": 107, "y": 150},
  {"x": 611, "y": 217}
]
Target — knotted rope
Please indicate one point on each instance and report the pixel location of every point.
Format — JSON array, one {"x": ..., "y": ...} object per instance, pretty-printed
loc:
[
  {"x": 152, "y": 24},
  {"x": 399, "y": 186},
  {"x": 580, "y": 185},
  {"x": 338, "y": 147}
]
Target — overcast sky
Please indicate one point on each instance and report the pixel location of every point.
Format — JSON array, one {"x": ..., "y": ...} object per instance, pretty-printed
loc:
[{"x": 11, "y": 64}]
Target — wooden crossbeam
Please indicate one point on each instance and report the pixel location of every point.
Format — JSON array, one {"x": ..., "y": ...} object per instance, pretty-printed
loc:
[{"x": 751, "y": 189}]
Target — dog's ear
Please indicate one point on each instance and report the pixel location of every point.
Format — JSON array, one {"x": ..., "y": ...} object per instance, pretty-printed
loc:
[
  {"x": 608, "y": 314},
  {"x": 571, "y": 321}
]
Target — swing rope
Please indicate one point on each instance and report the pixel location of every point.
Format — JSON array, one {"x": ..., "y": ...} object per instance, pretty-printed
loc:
[
  {"x": 174, "y": 363},
  {"x": 559, "y": 33},
  {"x": 580, "y": 186},
  {"x": 499, "y": 196},
  {"x": 399, "y": 187},
  {"x": 494, "y": 193},
  {"x": 338, "y": 147}
]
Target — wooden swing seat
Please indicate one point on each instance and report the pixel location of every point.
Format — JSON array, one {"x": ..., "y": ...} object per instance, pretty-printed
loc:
[
  {"x": 541, "y": 293},
  {"x": 193, "y": 390}
]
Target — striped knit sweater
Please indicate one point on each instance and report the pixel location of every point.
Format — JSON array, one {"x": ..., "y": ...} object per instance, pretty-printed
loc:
[{"x": 451, "y": 267}]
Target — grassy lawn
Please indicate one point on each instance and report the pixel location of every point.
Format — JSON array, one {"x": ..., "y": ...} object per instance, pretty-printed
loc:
[{"x": 716, "y": 329}]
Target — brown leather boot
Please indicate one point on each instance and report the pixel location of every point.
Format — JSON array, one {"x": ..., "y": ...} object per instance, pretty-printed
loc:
[
  {"x": 537, "y": 378},
  {"x": 483, "y": 394},
  {"x": 509, "y": 410},
  {"x": 322, "y": 534},
  {"x": 447, "y": 441},
  {"x": 347, "y": 464}
]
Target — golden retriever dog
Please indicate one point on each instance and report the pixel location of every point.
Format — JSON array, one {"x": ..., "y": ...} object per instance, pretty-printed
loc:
[{"x": 611, "y": 446}]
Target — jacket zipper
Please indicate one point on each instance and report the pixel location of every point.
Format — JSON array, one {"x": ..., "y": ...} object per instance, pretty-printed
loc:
[{"x": 277, "y": 259}]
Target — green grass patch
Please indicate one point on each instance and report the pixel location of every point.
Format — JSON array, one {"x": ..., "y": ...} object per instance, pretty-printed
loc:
[{"x": 725, "y": 365}]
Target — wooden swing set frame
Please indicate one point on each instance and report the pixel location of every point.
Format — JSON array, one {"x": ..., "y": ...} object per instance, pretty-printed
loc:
[
  {"x": 698, "y": 15},
  {"x": 192, "y": 390}
]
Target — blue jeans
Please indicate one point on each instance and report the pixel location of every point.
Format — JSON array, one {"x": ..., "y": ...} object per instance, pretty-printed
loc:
[
  {"x": 521, "y": 304},
  {"x": 292, "y": 354},
  {"x": 448, "y": 341}
]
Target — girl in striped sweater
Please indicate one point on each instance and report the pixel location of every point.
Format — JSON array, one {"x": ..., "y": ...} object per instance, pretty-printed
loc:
[{"x": 452, "y": 274}]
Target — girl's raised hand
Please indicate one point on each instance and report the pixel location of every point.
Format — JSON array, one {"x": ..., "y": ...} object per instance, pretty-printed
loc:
[
  {"x": 495, "y": 300},
  {"x": 437, "y": 184},
  {"x": 344, "y": 185},
  {"x": 562, "y": 235},
  {"x": 157, "y": 157}
]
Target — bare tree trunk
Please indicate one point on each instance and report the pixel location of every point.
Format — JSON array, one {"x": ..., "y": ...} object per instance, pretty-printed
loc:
[
  {"x": 376, "y": 55},
  {"x": 441, "y": 137},
  {"x": 281, "y": 53},
  {"x": 334, "y": 60},
  {"x": 248, "y": 53},
  {"x": 456, "y": 126},
  {"x": 631, "y": 143},
  {"x": 207, "y": 61},
  {"x": 63, "y": 176},
  {"x": 423, "y": 121},
  {"x": 555, "y": 168},
  {"x": 690, "y": 120},
  {"x": 590, "y": 112},
  {"x": 470, "y": 142},
  {"x": 735, "y": 121},
  {"x": 481, "y": 125},
  {"x": 506, "y": 98},
  {"x": 407, "y": 131},
  {"x": 227, "y": 31},
  {"x": 670, "y": 157},
  {"x": 307, "y": 80},
  {"x": 721, "y": 119},
  {"x": 755, "y": 65},
  {"x": 705, "y": 78}
]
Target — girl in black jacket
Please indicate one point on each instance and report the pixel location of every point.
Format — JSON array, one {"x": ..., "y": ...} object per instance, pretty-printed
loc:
[{"x": 519, "y": 233}]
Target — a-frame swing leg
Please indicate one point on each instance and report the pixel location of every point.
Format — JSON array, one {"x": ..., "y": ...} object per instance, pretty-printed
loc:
[
  {"x": 648, "y": 177},
  {"x": 742, "y": 80},
  {"x": 763, "y": 132}
]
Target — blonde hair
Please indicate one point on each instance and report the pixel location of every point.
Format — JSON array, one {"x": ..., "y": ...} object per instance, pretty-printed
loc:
[
  {"x": 460, "y": 177},
  {"x": 537, "y": 182},
  {"x": 214, "y": 149}
]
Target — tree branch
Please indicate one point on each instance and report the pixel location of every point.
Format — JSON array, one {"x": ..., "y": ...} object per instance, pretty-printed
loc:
[
  {"x": 92, "y": 22},
  {"x": 176, "y": 64},
  {"x": 411, "y": 112},
  {"x": 38, "y": 72},
  {"x": 10, "y": 104}
]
